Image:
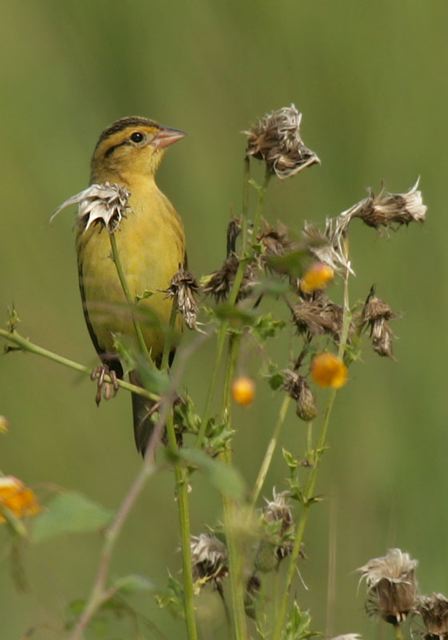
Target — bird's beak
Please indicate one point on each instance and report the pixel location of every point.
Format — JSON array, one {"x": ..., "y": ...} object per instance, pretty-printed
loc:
[{"x": 167, "y": 136}]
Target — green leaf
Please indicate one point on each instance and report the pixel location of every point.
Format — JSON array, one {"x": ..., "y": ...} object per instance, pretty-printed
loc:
[
  {"x": 293, "y": 263},
  {"x": 133, "y": 583},
  {"x": 142, "y": 296},
  {"x": 69, "y": 512},
  {"x": 290, "y": 460},
  {"x": 235, "y": 315},
  {"x": 153, "y": 379},
  {"x": 272, "y": 286},
  {"x": 266, "y": 326},
  {"x": 225, "y": 478},
  {"x": 125, "y": 352}
]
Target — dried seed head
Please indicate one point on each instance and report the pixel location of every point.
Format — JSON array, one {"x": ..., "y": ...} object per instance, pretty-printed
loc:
[
  {"x": 105, "y": 202},
  {"x": 279, "y": 510},
  {"x": 183, "y": 288},
  {"x": 375, "y": 315},
  {"x": 391, "y": 584},
  {"x": 297, "y": 387},
  {"x": 275, "y": 241},
  {"x": 318, "y": 316},
  {"x": 219, "y": 283},
  {"x": 208, "y": 557},
  {"x": 327, "y": 246},
  {"x": 434, "y": 612},
  {"x": 276, "y": 140},
  {"x": 277, "y": 514},
  {"x": 392, "y": 209}
]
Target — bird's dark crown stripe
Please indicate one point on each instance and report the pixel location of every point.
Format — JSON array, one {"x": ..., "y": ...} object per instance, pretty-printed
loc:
[{"x": 124, "y": 123}]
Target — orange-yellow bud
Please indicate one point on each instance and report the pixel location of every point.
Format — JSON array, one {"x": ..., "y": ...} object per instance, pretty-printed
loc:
[
  {"x": 327, "y": 370},
  {"x": 243, "y": 391},
  {"x": 4, "y": 424},
  {"x": 17, "y": 497},
  {"x": 317, "y": 277}
]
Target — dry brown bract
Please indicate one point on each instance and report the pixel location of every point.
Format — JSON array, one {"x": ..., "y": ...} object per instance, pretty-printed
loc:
[
  {"x": 392, "y": 209},
  {"x": 183, "y": 288},
  {"x": 276, "y": 140},
  {"x": 106, "y": 202},
  {"x": 219, "y": 283},
  {"x": 318, "y": 316},
  {"x": 375, "y": 316},
  {"x": 392, "y": 586},
  {"x": 434, "y": 612},
  {"x": 297, "y": 387}
]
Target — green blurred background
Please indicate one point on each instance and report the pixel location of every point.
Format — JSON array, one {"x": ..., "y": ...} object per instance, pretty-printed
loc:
[{"x": 370, "y": 79}]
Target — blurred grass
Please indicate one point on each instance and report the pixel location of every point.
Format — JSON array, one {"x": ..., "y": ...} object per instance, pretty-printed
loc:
[{"x": 370, "y": 80}]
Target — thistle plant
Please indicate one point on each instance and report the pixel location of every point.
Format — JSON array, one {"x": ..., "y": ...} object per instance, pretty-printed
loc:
[{"x": 250, "y": 557}]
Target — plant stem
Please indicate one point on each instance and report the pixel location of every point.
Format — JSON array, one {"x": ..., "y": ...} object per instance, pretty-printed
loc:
[
  {"x": 270, "y": 450},
  {"x": 131, "y": 302},
  {"x": 100, "y": 593},
  {"x": 181, "y": 475},
  {"x": 24, "y": 344},
  {"x": 261, "y": 198},
  {"x": 311, "y": 485},
  {"x": 399, "y": 635}
]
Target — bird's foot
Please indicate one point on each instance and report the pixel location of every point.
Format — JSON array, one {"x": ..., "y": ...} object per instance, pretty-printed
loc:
[{"x": 106, "y": 389}]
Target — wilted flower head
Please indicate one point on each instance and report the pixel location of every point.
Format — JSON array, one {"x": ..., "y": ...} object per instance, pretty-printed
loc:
[
  {"x": 327, "y": 246},
  {"x": 277, "y": 516},
  {"x": 276, "y": 140},
  {"x": 318, "y": 316},
  {"x": 434, "y": 612},
  {"x": 298, "y": 388},
  {"x": 219, "y": 283},
  {"x": 106, "y": 202},
  {"x": 17, "y": 498},
  {"x": 183, "y": 288},
  {"x": 392, "y": 209},
  {"x": 391, "y": 584},
  {"x": 375, "y": 316},
  {"x": 208, "y": 557},
  {"x": 278, "y": 509}
]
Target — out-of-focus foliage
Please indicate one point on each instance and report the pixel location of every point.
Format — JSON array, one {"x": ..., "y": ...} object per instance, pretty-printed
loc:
[{"x": 369, "y": 79}]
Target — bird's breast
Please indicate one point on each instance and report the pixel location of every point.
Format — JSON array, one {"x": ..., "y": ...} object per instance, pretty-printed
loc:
[{"x": 151, "y": 246}]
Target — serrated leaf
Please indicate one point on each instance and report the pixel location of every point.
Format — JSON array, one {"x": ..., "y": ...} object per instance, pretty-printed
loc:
[
  {"x": 69, "y": 512},
  {"x": 132, "y": 584},
  {"x": 225, "y": 478}
]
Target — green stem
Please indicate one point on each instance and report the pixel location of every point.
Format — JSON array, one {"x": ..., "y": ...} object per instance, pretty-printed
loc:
[
  {"x": 311, "y": 485},
  {"x": 261, "y": 199},
  {"x": 24, "y": 344},
  {"x": 270, "y": 450},
  {"x": 230, "y": 509},
  {"x": 131, "y": 302},
  {"x": 181, "y": 475}
]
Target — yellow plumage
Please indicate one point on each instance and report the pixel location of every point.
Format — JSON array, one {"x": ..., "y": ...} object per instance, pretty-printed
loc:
[{"x": 150, "y": 241}]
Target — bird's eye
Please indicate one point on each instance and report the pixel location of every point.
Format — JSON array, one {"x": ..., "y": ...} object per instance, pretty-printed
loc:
[{"x": 137, "y": 136}]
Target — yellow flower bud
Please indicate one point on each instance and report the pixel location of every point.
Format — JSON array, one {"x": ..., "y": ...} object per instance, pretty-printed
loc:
[
  {"x": 17, "y": 497},
  {"x": 327, "y": 370},
  {"x": 318, "y": 276},
  {"x": 243, "y": 391}
]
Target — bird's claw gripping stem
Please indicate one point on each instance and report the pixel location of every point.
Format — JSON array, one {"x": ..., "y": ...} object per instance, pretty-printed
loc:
[{"x": 106, "y": 389}]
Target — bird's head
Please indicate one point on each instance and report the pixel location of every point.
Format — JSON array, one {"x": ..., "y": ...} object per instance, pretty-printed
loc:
[{"x": 131, "y": 147}]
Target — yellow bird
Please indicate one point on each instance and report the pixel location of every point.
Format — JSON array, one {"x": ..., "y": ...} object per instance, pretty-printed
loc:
[{"x": 150, "y": 241}]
